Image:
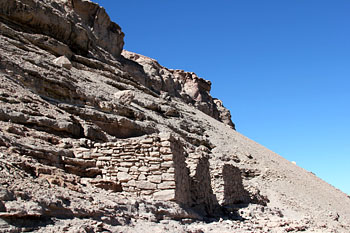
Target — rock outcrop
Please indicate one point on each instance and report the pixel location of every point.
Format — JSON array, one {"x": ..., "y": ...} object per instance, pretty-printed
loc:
[
  {"x": 94, "y": 138},
  {"x": 69, "y": 26},
  {"x": 177, "y": 83}
]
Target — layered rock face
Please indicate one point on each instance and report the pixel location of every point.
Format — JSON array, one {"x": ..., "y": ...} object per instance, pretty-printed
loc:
[
  {"x": 178, "y": 83},
  {"x": 81, "y": 26},
  {"x": 94, "y": 138}
]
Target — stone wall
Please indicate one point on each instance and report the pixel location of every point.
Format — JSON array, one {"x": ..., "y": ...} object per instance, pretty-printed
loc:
[
  {"x": 160, "y": 167},
  {"x": 152, "y": 166},
  {"x": 234, "y": 192}
]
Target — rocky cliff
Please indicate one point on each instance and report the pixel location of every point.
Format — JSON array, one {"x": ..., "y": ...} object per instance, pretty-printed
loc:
[{"x": 94, "y": 138}]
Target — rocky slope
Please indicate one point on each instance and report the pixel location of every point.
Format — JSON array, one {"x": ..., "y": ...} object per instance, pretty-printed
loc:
[{"x": 94, "y": 138}]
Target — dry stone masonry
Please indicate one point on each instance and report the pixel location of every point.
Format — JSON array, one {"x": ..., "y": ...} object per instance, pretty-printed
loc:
[
  {"x": 159, "y": 167},
  {"x": 145, "y": 167}
]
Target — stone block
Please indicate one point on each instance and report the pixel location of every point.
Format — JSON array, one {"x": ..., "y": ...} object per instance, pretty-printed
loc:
[
  {"x": 144, "y": 169},
  {"x": 146, "y": 185},
  {"x": 155, "y": 179},
  {"x": 167, "y": 157},
  {"x": 126, "y": 164},
  {"x": 166, "y": 185},
  {"x": 123, "y": 177},
  {"x": 131, "y": 183},
  {"x": 134, "y": 160},
  {"x": 147, "y": 192},
  {"x": 82, "y": 149},
  {"x": 157, "y": 172},
  {"x": 142, "y": 177},
  {"x": 165, "y": 150},
  {"x": 104, "y": 158},
  {"x": 155, "y": 159},
  {"x": 166, "y": 144},
  {"x": 123, "y": 169},
  {"x": 99, "y": 164},
  {"x": 154, "y": 167},
  {"x": 154, "y": 154},
  {"x": 147, "y": 141},
  {"x": 168, "y": 176},
  {"x": 167, "y": 164},
  {"x": 164, "y": 195},
  {"x": 151, "y": 163},
  {"x": 164, "y": 137},
  {"x": 110, "y": 151}
]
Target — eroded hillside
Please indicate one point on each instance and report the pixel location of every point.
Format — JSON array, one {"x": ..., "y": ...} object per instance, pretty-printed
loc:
[{"x": 94, "y": 138}]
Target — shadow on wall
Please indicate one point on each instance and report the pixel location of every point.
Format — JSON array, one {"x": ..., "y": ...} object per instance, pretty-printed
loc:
[
  {"x": 234, "y": 192},
  {"x": 195, "y": 190},
  {"x": 203, "y": 199}
]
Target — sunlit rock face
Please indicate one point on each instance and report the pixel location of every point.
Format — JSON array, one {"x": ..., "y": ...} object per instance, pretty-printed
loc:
[{"x": 81, "y": 25}]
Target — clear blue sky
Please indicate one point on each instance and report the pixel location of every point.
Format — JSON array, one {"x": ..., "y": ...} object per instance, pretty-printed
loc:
[{"x": 281, "y": 67}]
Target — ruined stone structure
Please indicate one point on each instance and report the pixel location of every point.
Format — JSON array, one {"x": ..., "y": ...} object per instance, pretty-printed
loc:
[
  {"x": 158, "y": 167},
  {"x": 155, "y": 167},
  {"x": 144, "y": 167}
]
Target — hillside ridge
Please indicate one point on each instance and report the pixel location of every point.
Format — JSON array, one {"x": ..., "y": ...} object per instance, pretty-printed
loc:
[{"x": 94, "y": 138}]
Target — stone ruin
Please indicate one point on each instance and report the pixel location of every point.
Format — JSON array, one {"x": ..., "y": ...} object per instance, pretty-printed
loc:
[
  {"x": 148, "y": 167},
  {"x": 158, "y": 167}
]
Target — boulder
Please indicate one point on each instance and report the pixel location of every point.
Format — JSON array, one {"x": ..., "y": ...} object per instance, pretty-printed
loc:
[{"x": 63, "y": 62}]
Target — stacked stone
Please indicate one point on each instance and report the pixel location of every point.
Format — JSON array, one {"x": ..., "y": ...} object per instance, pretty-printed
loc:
[
  {"x": 143, "y": 166},
  {"x": 194, "y": 157}
]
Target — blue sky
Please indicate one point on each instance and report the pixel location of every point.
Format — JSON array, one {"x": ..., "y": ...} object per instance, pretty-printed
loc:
[{"x": 281, "y": 67}]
